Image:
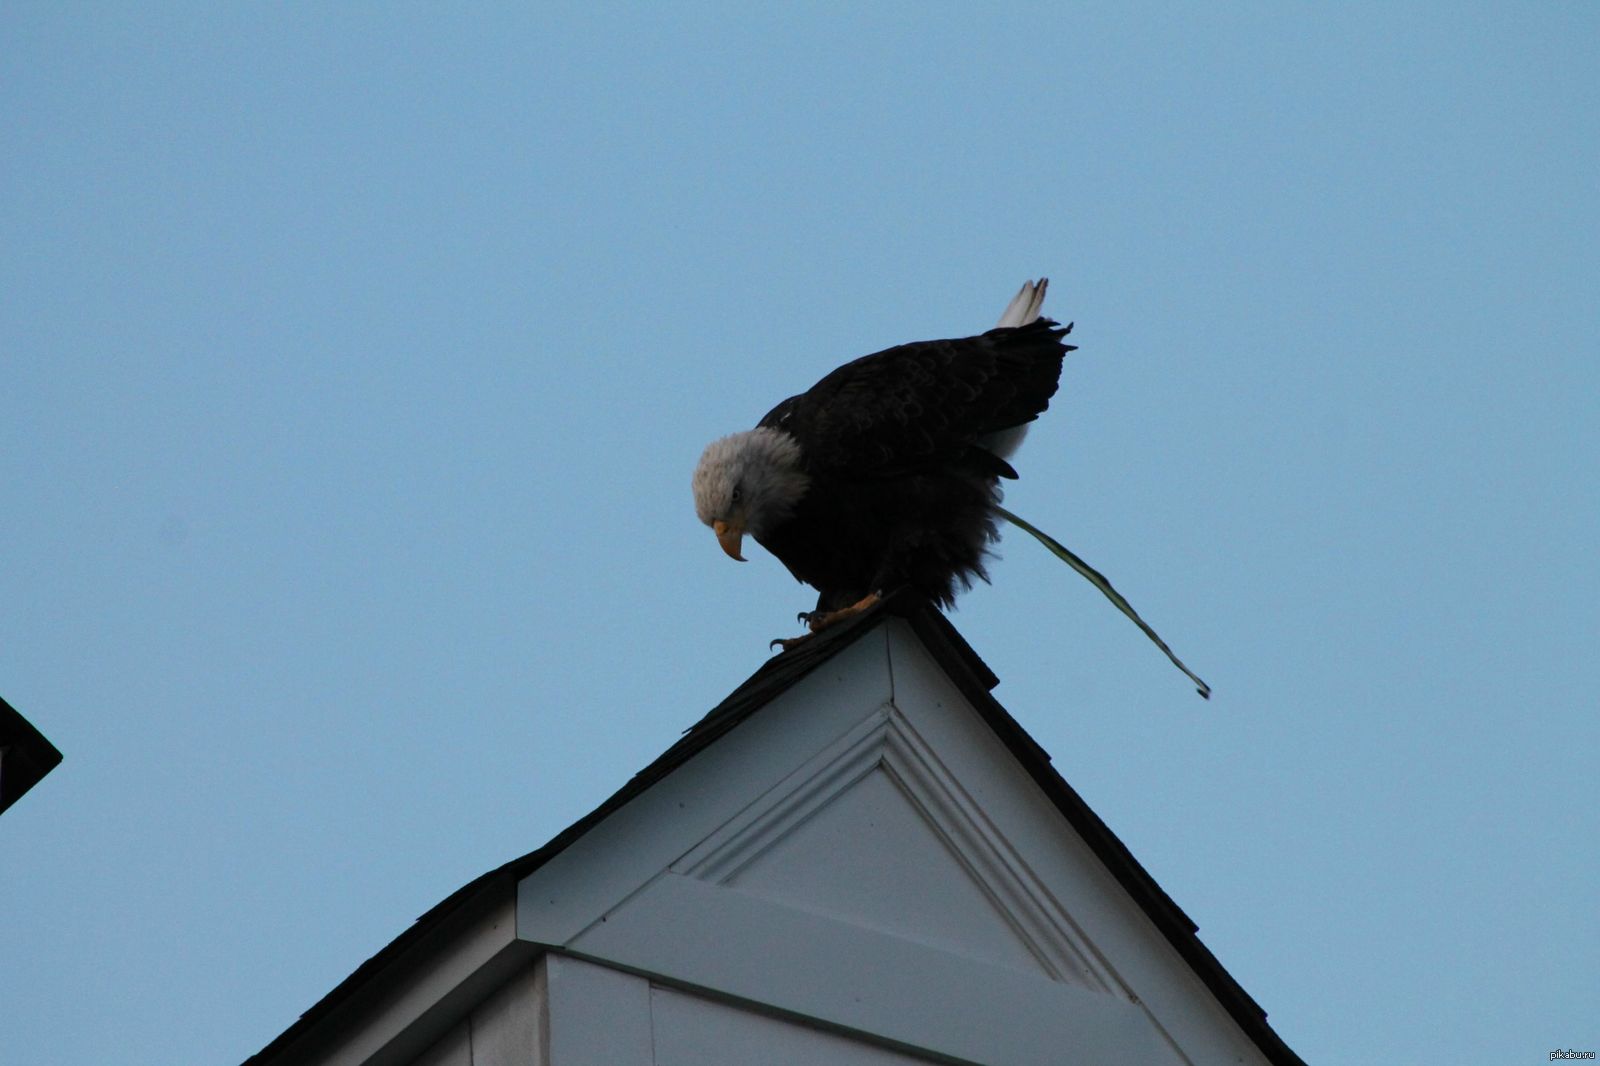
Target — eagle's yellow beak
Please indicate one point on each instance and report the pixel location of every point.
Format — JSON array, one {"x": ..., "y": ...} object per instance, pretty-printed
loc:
[{"x": 729, "y": 537}]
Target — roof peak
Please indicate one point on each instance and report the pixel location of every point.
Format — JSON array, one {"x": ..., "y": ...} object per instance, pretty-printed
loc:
[{"x": 949, "y": 653}]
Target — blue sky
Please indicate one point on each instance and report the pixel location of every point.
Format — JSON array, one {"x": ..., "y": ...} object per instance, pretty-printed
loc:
[{"x": 353, "y": 363}]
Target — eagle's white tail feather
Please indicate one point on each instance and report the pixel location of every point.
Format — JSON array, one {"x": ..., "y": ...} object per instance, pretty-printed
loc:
[{"x": 1024, "y": 306}]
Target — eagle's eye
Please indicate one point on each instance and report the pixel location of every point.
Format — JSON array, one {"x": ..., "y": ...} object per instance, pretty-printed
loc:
[{"x": 738, "y": 494}]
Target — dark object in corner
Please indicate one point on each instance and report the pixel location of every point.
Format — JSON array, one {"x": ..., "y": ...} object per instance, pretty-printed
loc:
[{"x": 25, "y": 755}]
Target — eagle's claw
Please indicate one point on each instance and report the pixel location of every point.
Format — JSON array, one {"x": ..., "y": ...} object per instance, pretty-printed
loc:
[{"x": 817, "y": 621}]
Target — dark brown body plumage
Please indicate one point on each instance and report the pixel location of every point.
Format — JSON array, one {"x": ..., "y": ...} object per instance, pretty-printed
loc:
[{"x": 903, "y": 488}]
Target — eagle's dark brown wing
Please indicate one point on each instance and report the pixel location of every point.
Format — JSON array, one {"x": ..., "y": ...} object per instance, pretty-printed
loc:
[{"x": 926, "y": 404}]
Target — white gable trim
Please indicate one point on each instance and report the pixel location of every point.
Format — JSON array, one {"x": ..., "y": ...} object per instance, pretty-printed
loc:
[
  {"x": 759, "y": 874},
  {"x": 886, "y": 740},
  {"x": 612, "y": 860},
  {"x": 634, "y": 892},
  {"x": 1142, "y": 961}
]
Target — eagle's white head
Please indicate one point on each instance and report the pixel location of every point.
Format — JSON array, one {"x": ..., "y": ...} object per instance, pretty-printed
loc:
[{"x": 748, "y": 482}]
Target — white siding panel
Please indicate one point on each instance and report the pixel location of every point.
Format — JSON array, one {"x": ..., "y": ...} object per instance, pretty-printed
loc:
[
  {"x": 870, "y": 858},
  {"x": 452, "y": 1049},
  {"x": 910, "y": 994},
  {"x": 601, "y": 868},
  {"x": 690, "y": 1031},
  {"x": 505, "y": 1027},
  {"x": 597, "y": 1016},
  {"x": 1142, "y": 962}
]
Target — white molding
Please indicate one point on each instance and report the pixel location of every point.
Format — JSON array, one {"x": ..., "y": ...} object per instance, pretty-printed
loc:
[
  {"x": 723, "y": 855},
  {"x": 1040, "y": 919}
]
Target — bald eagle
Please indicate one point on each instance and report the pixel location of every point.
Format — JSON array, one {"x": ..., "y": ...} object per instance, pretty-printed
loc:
[{"x": 885, "y": 474}]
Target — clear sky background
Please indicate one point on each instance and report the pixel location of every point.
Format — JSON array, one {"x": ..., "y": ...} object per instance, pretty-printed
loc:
[{"x": 354, "y": 361}]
